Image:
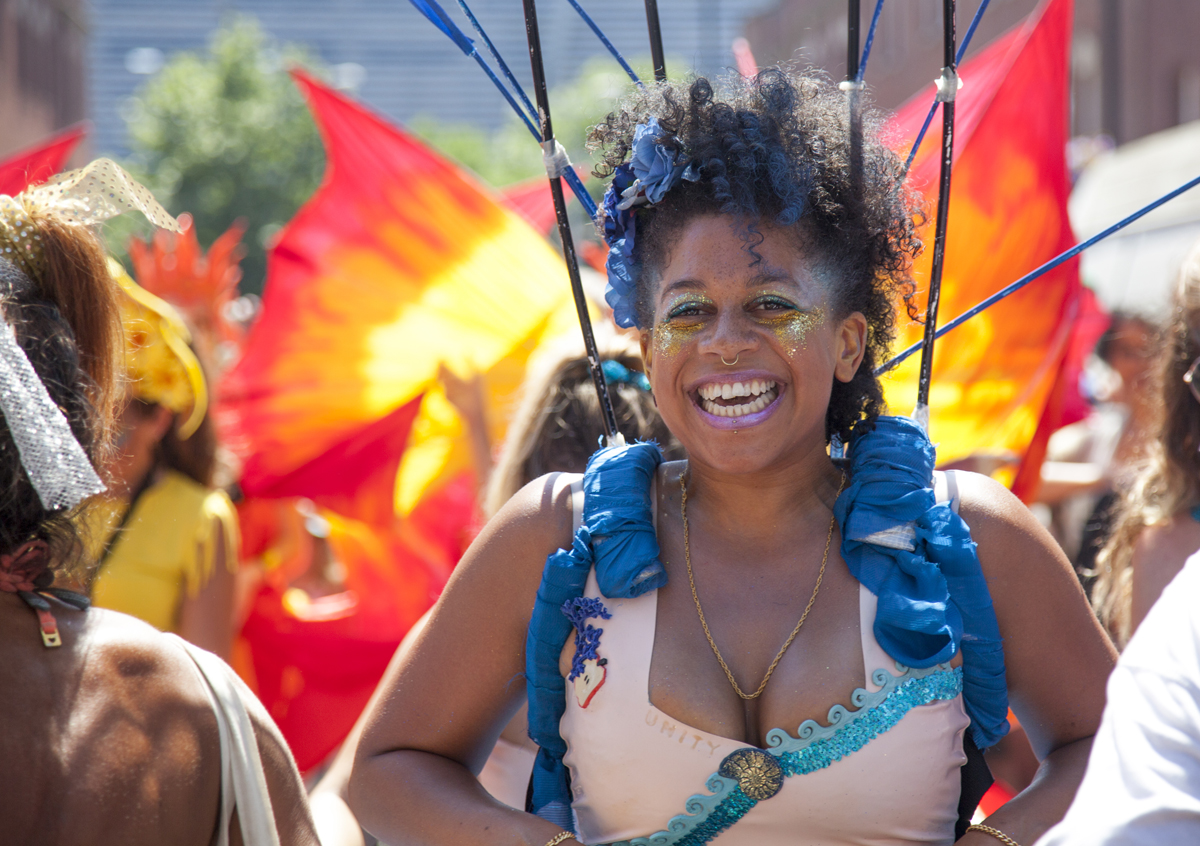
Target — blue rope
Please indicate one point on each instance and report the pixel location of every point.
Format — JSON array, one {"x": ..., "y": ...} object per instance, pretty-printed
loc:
[
  {"x": 587, "y": 19},
  {"x": 438, "y": 17},
  {"x": 962, "y": 49},
  {"x": 512, "y": 80},
  {"x": 866, "y": 54},
  {"x": 1041, "y": 271}
]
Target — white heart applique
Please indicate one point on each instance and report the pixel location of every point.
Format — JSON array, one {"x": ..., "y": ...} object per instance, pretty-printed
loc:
[{"x": 590, "y": 680}]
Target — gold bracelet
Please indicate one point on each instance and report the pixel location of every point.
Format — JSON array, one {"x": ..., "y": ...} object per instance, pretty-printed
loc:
[
  {"x": 562, "y": 837},
  {"x": 994, "y": 832}
]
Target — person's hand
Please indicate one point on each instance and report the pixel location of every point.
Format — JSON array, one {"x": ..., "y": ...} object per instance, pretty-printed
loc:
[{"x": 466, "y": 395}]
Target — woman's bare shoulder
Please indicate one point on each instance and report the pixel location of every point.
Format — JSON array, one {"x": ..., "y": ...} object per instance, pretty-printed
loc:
[
  {"x": 1002, "y": 526},
  {"x": 124, "y": 649},
  {"x": 988, "y": 503},
  {"x": 537, "y": 517},
  {"x": 1175, "y": 538},
  {"x": 1158, "y": 555},
  {"x": 501, "y": 570}
]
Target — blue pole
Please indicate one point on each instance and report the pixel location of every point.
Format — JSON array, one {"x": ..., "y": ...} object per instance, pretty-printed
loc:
[
  {"x": 1041, "y": 271},
  {"x": 587, "y": 19},
  {"x": 866, "y": 54}
]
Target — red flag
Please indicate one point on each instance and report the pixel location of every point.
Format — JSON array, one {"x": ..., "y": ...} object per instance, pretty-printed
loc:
[
  {"x": 400, "y": 262},
  {"x": 993, "y": 377},
  {"x": 38, "y": 163}
]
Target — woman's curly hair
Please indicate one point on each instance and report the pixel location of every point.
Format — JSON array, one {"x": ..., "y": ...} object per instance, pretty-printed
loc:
[{"x": 779, "y": 148}]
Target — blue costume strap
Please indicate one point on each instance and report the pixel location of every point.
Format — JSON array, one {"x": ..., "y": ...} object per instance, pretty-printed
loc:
[
  {"x": 918, "y": 558},
  {"x": 618, "y": 513},
  {"x": 617, "y": 537}
]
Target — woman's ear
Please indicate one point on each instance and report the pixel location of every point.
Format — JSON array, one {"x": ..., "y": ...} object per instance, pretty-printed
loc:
[
  {"x": 647, "y": 351},
  {"x": 851, "y": 346}
]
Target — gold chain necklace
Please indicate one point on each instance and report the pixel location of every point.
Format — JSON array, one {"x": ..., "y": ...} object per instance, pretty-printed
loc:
[{"x": 687, "y": 557}]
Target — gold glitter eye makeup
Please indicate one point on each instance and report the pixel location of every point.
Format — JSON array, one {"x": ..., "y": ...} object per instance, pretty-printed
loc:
[
  {"x": 686, "y": 305},
  {"x": 790, "y": 324},
  {"x": 670, "y": 338},
  {"x": 675, "y": 329}
]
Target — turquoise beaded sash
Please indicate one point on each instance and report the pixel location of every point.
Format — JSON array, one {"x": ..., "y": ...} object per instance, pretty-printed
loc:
[{"x": 749, "y": 776}]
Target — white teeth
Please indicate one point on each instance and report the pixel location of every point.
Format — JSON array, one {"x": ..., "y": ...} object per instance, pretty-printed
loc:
[
  {"x": 741, "y": 409},
  {"x": 735, "y": 389}
]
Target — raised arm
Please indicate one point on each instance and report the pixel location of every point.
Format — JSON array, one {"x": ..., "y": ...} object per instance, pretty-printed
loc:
[
  {"x": 445, "y": 702},
  {"x": 1057, "y": 656}
]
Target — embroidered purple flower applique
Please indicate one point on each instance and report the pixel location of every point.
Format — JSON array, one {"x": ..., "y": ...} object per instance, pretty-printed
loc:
[{"x": 588, "y": 669}]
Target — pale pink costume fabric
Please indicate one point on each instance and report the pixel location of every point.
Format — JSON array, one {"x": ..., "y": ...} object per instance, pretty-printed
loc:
[{"x": 633, "y": 767}]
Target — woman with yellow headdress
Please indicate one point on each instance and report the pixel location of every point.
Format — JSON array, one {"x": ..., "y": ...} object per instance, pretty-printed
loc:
[{"x": 166, "y": 540}]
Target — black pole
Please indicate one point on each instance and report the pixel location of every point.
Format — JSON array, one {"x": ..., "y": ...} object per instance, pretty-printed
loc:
[
  {"x": 608, "y": 417},
  {"x": 853, "y": 88},
  {"x": 853, "y": 19},
  {"x": 656, "y": 44},
  {"x": 949, "y": 89}
]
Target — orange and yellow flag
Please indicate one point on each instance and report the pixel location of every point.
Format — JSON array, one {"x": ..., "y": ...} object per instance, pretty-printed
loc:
[
  {"x": 994, "y": 377},
  {"x": 401, "y": 261}
]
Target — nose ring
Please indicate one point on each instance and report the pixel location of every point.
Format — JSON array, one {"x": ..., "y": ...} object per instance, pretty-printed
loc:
[{"x": 731, "y": 363}]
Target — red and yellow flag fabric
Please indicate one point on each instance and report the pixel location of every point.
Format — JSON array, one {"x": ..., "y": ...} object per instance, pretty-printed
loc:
[
  {"x": 994, "y": 377},
  {"x": 399, "y": 262},
  {"x": 36, "y": 164}
]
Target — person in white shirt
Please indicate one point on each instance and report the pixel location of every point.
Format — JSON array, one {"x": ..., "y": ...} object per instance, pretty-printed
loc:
[{"x": 1142, "y": 784}]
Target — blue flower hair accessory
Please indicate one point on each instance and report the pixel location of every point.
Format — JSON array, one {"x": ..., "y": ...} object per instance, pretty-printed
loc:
[
  {"x": 615, "y": 371},
  {"x": 652, "y": 171}
]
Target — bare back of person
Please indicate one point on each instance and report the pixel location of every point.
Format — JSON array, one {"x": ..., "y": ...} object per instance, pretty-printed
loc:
[{"x": 112, "y": 739}]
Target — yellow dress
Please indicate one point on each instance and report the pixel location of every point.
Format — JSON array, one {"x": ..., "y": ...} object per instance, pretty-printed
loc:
[{"x": 167, "y": 547}]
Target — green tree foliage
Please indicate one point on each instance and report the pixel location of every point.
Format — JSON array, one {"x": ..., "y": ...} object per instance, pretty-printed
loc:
[{"x": 225, "y": 134}]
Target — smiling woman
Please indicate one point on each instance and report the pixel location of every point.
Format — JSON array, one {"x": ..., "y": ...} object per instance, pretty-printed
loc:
[{"x": 778, "y": 647}]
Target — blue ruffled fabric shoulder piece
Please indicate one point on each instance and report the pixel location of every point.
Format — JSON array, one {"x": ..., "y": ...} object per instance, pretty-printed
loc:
[
  {"x": 617, "y": 512},
  {"x": 617, "y": 537},
  {"x": 918, "y": 558}
]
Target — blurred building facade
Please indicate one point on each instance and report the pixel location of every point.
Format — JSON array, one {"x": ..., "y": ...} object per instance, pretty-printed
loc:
[
  {"x": 43, "y": 52},
  {"x": 389, "y": 55},
  {"x": 1135, "y": 64}
]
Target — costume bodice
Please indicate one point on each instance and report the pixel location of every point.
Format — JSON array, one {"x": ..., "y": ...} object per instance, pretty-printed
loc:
[{"x": 884, "y": 769}]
